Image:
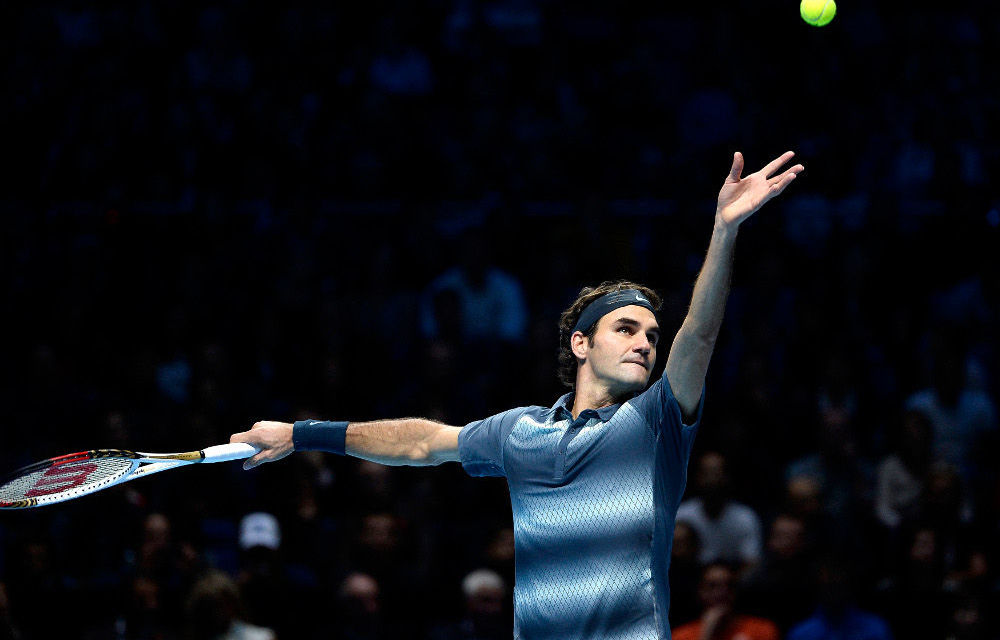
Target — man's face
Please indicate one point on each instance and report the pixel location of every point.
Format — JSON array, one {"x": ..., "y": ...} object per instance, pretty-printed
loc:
[{"x": 624, "y": 349}]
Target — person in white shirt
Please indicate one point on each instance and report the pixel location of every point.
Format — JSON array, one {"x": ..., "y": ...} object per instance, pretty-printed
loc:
[{"x": 729, "y": 531}]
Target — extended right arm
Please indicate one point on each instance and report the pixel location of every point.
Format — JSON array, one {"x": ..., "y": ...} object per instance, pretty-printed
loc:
[{"x": 407, "y": 441}]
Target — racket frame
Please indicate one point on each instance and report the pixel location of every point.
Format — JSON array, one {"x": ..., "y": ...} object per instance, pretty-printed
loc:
[{"x": 143, "y": 464}]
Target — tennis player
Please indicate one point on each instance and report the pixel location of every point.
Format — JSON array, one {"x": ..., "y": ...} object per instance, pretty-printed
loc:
[{"x": 596, "y": 479}]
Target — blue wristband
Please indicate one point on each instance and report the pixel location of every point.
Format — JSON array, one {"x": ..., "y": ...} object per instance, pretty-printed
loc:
[{"x": 319, "y": 435}]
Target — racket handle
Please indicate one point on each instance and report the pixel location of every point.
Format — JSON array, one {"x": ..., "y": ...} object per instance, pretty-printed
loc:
[{"x": 226, "y": 452}]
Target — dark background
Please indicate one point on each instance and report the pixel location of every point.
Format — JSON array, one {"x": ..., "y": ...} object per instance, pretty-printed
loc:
[{"x": 221, "y": 213}]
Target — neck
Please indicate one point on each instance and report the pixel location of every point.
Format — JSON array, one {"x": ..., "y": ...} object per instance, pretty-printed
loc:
[
  {"x": 713, "y": 505},
  {"x": 590, "y": 396}
]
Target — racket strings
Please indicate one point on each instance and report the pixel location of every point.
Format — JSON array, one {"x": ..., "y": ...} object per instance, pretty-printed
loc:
[{"x": 75, "y": 477}]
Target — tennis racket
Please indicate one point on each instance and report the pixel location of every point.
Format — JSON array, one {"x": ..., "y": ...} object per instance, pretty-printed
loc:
[{"x": 78, "y": 474}]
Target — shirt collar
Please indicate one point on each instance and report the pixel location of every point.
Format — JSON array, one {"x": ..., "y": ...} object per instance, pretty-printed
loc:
[{"x": 565, "y": 404}]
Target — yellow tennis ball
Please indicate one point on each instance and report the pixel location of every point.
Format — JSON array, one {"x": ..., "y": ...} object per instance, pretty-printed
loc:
[{"x": 818, "y": 12}]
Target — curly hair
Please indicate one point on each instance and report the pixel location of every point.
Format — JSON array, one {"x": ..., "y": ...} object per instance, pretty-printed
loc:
[{"x": 569, "y": 317}]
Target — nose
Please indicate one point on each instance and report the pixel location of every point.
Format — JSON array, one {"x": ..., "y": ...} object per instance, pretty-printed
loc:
[{"x": 642, "y": 345}]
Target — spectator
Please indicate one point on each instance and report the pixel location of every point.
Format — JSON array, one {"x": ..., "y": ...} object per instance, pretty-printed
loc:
[
  {"x": 359, "y": 609},
  {"x": 960, "y": 416},
  {"x": 781, "y": 587},
  {"x": 944, "y": 509},
  {"x": 485, "y": 618},
  {"x": 399, "y": 68},
  {"x": 500, "y": 554},
  {"x": 844, "y": 479},
  {"x": 35, "y": 582},
  {"x": 719, "y": 620},
  {"x": 146, "y": 615},
  {"x": 837, "y": 615},
  {"x": 215, "y": 612},
  {"x": 685, "y": 573},
  {"x": 728, "y": 531},
  {"x": 184, "y": 171},
  {"x": 171, "y": 564},
  {"x": 274, "y": 596},
  {"x": 914, "y": 599},
  {"x": 843, "y": 475},
  {"x": 970, "y": 618},
  {"x": 802, "y": 496},
  {"x": 973, "y": 573},
  {"x": 7, "y": 629},
  {"x": 901, "y": 473},
  {"x": 382, "y": 549},
  {"x": 489, "y": 301}
]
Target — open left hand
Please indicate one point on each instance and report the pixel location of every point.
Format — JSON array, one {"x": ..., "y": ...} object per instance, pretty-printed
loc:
[{"x": 741, "y": 197}]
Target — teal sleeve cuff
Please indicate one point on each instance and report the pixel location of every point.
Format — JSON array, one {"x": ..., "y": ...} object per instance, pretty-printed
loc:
[{"x": 320, "y": 435}]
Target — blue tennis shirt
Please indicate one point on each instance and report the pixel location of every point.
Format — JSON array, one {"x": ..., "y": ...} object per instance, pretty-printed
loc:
[{"x": 594, "y": 501}]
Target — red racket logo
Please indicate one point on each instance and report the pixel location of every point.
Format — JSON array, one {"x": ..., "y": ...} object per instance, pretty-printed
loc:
[{"x": 61, "y": 477}]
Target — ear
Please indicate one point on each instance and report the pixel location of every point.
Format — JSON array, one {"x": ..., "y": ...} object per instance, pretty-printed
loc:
[{"x": 578, "y": 344}]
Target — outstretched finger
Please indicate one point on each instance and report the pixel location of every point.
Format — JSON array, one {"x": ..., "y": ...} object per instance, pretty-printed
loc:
[
  {"x": 737, "y": 170},
  {"x": 779, "y": 186},
  {"x": 793, "y": 171},
  {"x": 775, "y": 164},
  {"x": 247, "y": 437},
  {"x": 256, "y": 460},
  {"x": 252, "y": 439}
]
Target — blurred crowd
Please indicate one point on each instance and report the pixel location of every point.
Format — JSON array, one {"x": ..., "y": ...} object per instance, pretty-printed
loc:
[{"x": 224, "y": 212}]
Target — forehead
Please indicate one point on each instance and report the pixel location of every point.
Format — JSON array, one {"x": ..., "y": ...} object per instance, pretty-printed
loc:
[{"x": 642, "y": 315}]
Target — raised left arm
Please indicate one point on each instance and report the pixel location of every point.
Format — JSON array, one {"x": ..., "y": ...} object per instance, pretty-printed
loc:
[{"x": 692, "y": 348}]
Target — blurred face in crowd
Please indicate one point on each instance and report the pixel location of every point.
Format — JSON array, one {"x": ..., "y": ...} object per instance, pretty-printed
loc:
[
  {"x": 485, "y": 607},
  {"x": 379, "y": 533},
  {"x": 943, "y": 492},
  {"x": 712, "y": 479},
  {"x": 967, "y": 620},
  {"x": 685, "y": 545},
  {"x": 623, "y": 351},
  {"x": 803, "y": 494},
  {"x": 836, "y": 439},
  {"x": 501, "y": 548},
  {"x": 146, "y": 596},
  {"x": 156, "y": 531},
  {"x": 787, "y": 537},
  {"x": 362, "y": 593},
  {"x": 716, "y": 587},
  {"x": 486, "y": 601},
  {"x": 924, "y": 547}
]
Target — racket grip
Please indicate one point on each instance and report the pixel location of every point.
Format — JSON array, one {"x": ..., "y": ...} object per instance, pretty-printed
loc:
[{"x": 225, "y": 452}]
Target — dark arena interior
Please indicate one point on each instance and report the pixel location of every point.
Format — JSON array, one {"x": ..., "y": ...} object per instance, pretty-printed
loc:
[{"x": 217, "y": 213}]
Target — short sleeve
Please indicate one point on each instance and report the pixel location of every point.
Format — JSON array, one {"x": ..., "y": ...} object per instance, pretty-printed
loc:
[
  {"x": 659, "y": 406},
  {"x": 752, "y": 546},
  {"x": 480, "y": 443}
]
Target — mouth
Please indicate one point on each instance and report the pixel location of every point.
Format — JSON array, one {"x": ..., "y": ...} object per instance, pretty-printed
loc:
[{"x": 641, "y": 364}]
